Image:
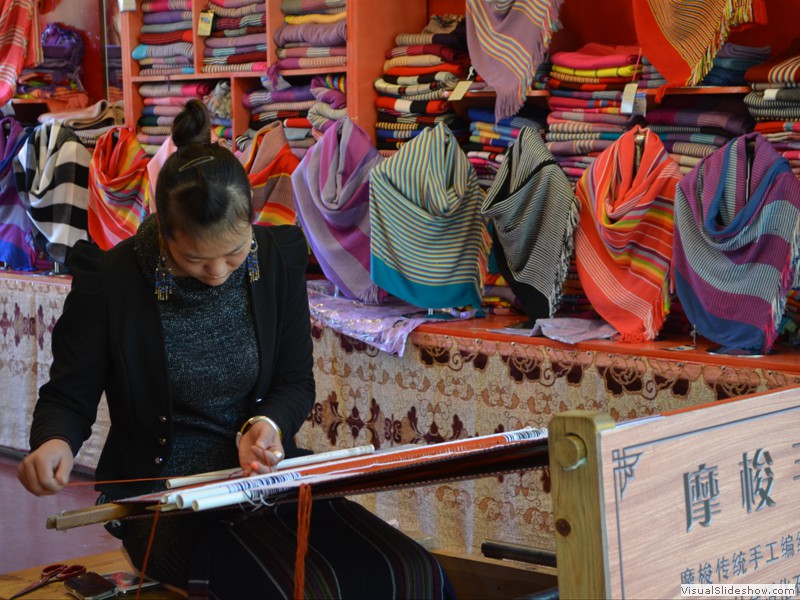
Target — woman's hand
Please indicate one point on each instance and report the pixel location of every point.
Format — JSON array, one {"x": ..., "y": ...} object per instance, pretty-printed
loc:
[
  {"x": 260, "y": 449},
  {"x": 46, "y": 470}
]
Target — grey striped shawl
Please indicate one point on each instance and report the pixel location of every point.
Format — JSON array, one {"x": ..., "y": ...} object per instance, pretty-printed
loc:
[{"x": 534, "y": 211}]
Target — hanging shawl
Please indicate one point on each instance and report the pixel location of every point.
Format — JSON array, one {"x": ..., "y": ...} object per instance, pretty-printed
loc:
[
  {"x": 52, "y": 173},
  {"x": 21, "y": 43},
  {"x": 269, "y": 163},
  {"x": 16, "y": 239},
  {"x": 117, "y": 182},
  {"x": 507, "y": 41},
  {"x": 428, "y": 238},
  {"x": 331, "y": 192},
  {"x": 736, "y": 258},
  {"x": 681, "y": 37},
  {"x": 623, "y": 243},
  {"x": 535, "y": 212}
]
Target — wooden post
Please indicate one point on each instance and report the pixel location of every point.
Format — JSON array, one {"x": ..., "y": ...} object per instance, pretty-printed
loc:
[{"x": 577, "y": 502}]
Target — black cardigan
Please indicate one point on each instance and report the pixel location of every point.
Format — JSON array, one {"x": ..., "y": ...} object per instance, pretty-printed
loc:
[{"x": 109, "y": 339}]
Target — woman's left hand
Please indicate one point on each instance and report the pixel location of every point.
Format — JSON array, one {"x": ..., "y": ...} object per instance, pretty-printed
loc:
[{"x": 260, "y": 449}]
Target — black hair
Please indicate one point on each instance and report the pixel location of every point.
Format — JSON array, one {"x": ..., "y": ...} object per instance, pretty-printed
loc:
[{"x": 202, "y": 188}]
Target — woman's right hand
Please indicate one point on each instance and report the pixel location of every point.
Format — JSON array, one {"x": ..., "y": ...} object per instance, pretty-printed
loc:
[{"x": 46, "y": 470}]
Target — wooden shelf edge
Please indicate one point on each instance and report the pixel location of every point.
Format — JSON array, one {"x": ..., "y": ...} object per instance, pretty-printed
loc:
[{"x": 675, "y": 91}]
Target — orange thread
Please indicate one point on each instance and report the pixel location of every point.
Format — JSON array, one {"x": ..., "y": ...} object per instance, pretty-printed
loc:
[
  {"x": 147, "y": 554},
  {"x": 303, "y": 529}
]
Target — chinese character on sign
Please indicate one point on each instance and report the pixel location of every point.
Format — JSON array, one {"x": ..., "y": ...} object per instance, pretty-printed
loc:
[
  {"x": 723, "y": 567},
  {"x": 739, "y": 563},
  {"x": 704, "y": 572},
  {"x": 687, "y": 576},
  {"x": 701, "y": 490},
  {"x": 757, "y": 480}
]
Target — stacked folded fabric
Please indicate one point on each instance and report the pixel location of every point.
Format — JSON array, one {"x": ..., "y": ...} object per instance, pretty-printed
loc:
[
  {"x": 278, "y": 100},
  {"x": 58, "y": 77},
  {"x": 238, "y": 40},
  {"x": 162, "y": 103},
  {"x": 165, "y": 38},
  {"x": 692, "y": 127},
  {"x": 586, "y": 102},
  {"x": 313, "y": 36},
  {"x": 774, "y": 102},
  {"x": 489, "y": 141},
  {"x": 220, "y": 112},
  {"x": 732, "y": 62},
  {"x": 417, "y": 73},
  {"x": 330, "y": 93},
  {"x": 89, "y": 123}
]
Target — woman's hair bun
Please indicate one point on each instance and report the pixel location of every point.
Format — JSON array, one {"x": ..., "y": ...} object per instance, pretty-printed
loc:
[{"x": 192, "y": 125}]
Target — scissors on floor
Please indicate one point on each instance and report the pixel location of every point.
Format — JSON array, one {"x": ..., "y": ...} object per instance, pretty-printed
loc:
[{"x": 52, "y": 573}]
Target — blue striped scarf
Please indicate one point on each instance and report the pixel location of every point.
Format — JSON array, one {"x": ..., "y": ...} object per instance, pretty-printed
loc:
[{"x": 428, "y": 238}]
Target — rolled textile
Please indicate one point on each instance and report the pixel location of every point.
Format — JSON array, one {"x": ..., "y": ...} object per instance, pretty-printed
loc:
[
  {"x": 623, "y": 243},
  {"x": 507, "y": 40},
  {"x": 269, "y": 164},
  {"x": 737, "y": 239},
  {"x": 429, "y": 244},
  {"x": 17, "y": 248},
  {"x": 534, "y": 212},
  {"x": 52, "y": 175},
  {"x": 680, "y": 38},
  {"x": 313, "y": 34},
  {"x": 117, "y": 184},
  {"x": 331, "y": 192}
]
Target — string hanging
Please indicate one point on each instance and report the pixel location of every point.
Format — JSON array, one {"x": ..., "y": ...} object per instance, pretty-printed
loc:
[{"x": 303, "y": 529}]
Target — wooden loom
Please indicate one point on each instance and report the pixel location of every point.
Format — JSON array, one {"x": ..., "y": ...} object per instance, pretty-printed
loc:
[{"x": 628, "y": 524}]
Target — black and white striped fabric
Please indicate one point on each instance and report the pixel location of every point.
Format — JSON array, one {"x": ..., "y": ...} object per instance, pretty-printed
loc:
[
  {"x": 52, "y": 174},
  {"x": 534, "y": 212}
]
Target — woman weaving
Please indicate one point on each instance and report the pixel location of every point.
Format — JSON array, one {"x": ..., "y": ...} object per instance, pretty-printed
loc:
[{"x": 197, "y": 328}]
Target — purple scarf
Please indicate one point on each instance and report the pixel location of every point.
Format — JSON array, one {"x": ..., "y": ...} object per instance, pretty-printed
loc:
[
  {"x": 737, "y": 244},
  {"x": 331, "y": 192},
  {"x": 507, "y": 40}
]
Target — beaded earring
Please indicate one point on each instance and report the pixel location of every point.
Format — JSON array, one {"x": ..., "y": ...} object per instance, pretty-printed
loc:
[
  {"x": 164, "y": 279},
  {"x": 253, "y": 270}
]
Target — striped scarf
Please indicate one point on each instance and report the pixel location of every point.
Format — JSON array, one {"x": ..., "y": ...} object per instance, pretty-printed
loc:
[
  {"x": 117, "y": 182},
  {"x": 16, "y": 239},
  {"x": 623, "y": 244},
  {"x": 269, "y": 164},
  {"x": 682, "y": 37},
  {"x": 331, "y": 192},
  {"x": 736, "y": 258},
  {"x": 534, "y": 212},
  {"x": 20, "y": 43},
  {"x": 507, "y": 40},
  {"x": 428, "y": 238},
  {"x": 52, "y": 174}
]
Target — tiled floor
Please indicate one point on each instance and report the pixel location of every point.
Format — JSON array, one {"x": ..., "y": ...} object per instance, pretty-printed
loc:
[{"x": 24, "y": 539}]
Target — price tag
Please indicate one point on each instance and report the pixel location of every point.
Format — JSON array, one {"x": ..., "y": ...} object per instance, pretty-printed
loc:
[
  {"x": 205, "y": 22},
  {"x": 633, "y": 103},
  {"x": 127, "y": 5},
  {"x": 771, "y": 94},
  {"x": 462, "y": 87}
]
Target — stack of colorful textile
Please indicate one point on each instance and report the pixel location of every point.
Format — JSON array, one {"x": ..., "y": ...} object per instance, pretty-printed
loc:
[
  {"x": 162, "y": 103},
  {"x": 732, "y": 62},
  {"x": 488, "y": 142},
  {"x": 279, "y": 100},
  {"x": 57, "y": 78},
  {"x": 238, "y": 40},
  {"x": 692, "y": 127},
  {"x": 165, "y": 38},
  {"x": 313, "y": 36},
  {"x": 330, "y": 93},
  {"x": 586, "y": 102},
  {"x": 775, "y": 102},
  {"x": 220, "y": 111},
  {"x": 89, "y": 123},
  {"x": 417, "y": 73}
]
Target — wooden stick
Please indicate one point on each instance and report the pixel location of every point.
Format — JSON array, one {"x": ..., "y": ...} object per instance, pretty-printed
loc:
[{"x": 100, "y": 513}]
